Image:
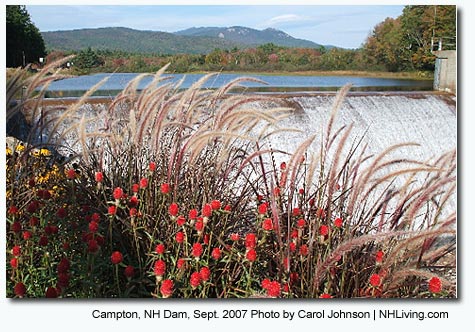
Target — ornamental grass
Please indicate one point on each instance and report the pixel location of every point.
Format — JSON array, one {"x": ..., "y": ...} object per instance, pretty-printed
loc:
[{"x": 177, "y": 193}]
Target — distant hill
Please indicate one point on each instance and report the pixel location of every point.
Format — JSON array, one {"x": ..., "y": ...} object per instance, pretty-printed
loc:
[
  {"x": 194, "y": 40},
  {"x": 248, "y": 36}
]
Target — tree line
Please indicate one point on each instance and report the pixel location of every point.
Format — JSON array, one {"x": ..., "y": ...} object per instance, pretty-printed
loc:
[{"x": 396, "y": 44}]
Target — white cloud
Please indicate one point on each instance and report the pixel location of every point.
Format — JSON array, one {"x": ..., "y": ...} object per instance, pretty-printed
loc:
[{"x": 287, "y": 18}]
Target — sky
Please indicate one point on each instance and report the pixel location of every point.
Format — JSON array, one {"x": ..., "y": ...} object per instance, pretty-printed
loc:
[{"x": 342, "y": 25}]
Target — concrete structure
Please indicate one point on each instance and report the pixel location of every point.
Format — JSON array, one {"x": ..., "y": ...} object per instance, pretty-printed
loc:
[{"x": 445, "y": 76}]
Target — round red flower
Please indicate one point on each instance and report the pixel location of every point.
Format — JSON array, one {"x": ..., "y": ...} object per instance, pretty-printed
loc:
[
  {"x": 135, "y": 188},
  {"x": 267, "y": 224},
  {"x": 375, "y": 280},
  {"x": 205, "y": 273},
  {"x": 193, "y": 214},
  {"x": 250, "y": 240},
  {"x": 71, "y": 173},
  {"x": 51, "y": 292},
  {"x": 160, "y": 248},
  {"x": 180, "y": 263},
  {"x": 173, "y": 209},
  {"x": 251, "y": 255},
  {"x": 195, "y": 279},
  {"x": 303, "y": 250},
  {"x": 14, "y": 263},
  {"x": 292, "y": 246},
  {"x": 133, "y": 212},
  {"x": 234, "y": 237},
  {"x": 143, "y": 183},
  {"x": 301, "y": 223},
  {"x": 207, "y": 210},
  {"x": 166, "y": 289},
  {"x": 216, "y": 253},
  {"x": 19, "y": 289},
  {"x": 111, "y": 210},
  {"x": 43, "y": 241},
  {"x": 93, "y": 226},
  {"x": 159, "y": 268},
  {"x": 33, "y": 206},
  {"x": 215, "y": 204},
  {"x": 180, "y": 221},
  {"x": 338, "y": 222},
  {"x": 265, "y": 283},
  {"x": 118, "y": 193},
  {"x": 295, "y": 211},
  {"x": 129, "y": 271},
  {"x": 165, "y": 188},
  {"x": 273, "y": 290},
  {"x": 12, "y": 210},
  {"x": 179, "y": 237},
  {"x": 325, "y": 296},
  {"x": 323, "y": 230},
  {"x": 116, "y": 257},
  {"x": 227, "y": 208},
  {"x": 61, "y": 213},
  {"x": 197, "y": 250},
  {"x": 379, "y": 256},
  {"x": 99, "y": 177},
  {"x": 92, "y": 246},
  {"x": 199, "y": 224},
  {"x": 152, "y": 166},
  {"x": 435, "y": 285},
  {"x": 283, "y": 166},
  {"x": 63, "y": 265},
  {"x": 26, "y": 235},
  {"x": 15, "y": 227},
  {"x": 16, "y": 251},
  {"x": 96, "y": 217}
]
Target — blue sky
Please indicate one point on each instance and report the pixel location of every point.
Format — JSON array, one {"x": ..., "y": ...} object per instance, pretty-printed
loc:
[{"x": 344, "y": 26}]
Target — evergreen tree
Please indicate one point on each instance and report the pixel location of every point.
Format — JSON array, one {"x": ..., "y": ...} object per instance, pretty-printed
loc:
[{"x": 24, "y": 41}]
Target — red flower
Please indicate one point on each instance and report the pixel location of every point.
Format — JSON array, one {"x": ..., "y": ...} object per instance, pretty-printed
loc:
[
  {"x": 207, "y": 210},
  {"x": 118, "y": 193},
  {"x": 206, "y": 239},
  {"x": 283, "y": 166},
  {"x": 273, "y": 290},
  {"x": 14, "y": 263},
  {"x": 116, "y": 257},
  {"x": 16, "y": 251},
  {"x": 296, "y": 211},
  {"x": 26, "y": 235},
  {"x": 33, "y": 206},
  {"x": 51, "y": 292},
  {"x": 205, "y": 273},
  {"x": 262, "y": 209},
  {"x": 96, "y": 217},
  {"x": 199, "y": 224},
  {"x": 180, "y": 263},
  {"x": 325, "y": 296},
  {"x": 250, "y": 240},
  {"x": 265, "y": 283},
  {"x": 338, "y": 222},
  {"x": 129, "y": 271},
  {"x": 294, "y": 234},
  {"x": 301, "y": 191},
  {"x": 227, "y": 208},
  {"x": 179, "y": 237},
  {"x": 435, "y": 285},
  {"x": 216, "y": 253},
  {"x": 303, "y": 250},
  {"x": 195, "y": 279},
  {"x": 71, "y": 173},
  {"x": 152, "y": 166},
  {"x": 16, "y": 227},
  {"x": 160, "y": 248},
  {"x": 197, "y": 250},
  {"x": 34, "y": 221},
  {"x": 143, "y": 183},
  {"x": 215, "y": 204},
  {"x": 267, "y": 224},
  {"x": 234, "y": 237},
  {"x": 19, "y": 289},
  {"x": 323, "y": 230},
  {"x": 12, "y": 210},
  {"x": 61, "y": 213},
  {"x": 135, "y": 188},
  {"x": 63, "y": 265},
  {"x": 159, "y": 268},
  {"x": 133, "y": 201},
  {"x": 375, "y": 280},
  {"x": 99, "y": 177},
  {"x": 112, "y": 210},
  {"x": 93, "y": 226},
  {"x": 173, "y": 209},
  {"x": 133, "y": 212},
  {"x": 193, "y": 214},
  {"x": 166, "y": 289},
  {"x": 180, "y": 221},
  {"x": 276, "y": 191},
  {"x": 43, "y": 241},
  {"x": 301, "y": 223},
  {"x": 43, "y": 194},
  {"x": 379, "y": 256},
  {"x": 292, "y": 246},
  {"x": 165, "y": 188},
  {"x": 251, "y": 255}
]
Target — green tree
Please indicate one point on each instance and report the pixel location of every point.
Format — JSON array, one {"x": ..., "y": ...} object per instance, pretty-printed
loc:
[
  {"x": 24, "y": 41},
  {"x": 87, "y": 59}
]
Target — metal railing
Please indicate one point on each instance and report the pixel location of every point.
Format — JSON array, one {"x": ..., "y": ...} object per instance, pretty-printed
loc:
[{"x": 443, "y": 43}]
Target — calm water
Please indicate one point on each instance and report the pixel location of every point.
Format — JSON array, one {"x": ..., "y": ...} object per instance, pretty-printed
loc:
[{"x": 116, "y": 82}]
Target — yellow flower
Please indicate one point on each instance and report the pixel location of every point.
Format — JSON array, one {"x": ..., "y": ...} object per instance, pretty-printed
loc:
[
  {"x": 9, "y": 151},
  {"x": 20, "y": 147}
]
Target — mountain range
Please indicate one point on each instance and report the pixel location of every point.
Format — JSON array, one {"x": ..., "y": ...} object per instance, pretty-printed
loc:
[{"x": 194, "y": 40}]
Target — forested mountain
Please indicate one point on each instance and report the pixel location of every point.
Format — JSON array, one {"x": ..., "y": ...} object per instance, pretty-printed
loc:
[
  {"x": 248, "y": 36},
  {"x": 191, "y": 41}
]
